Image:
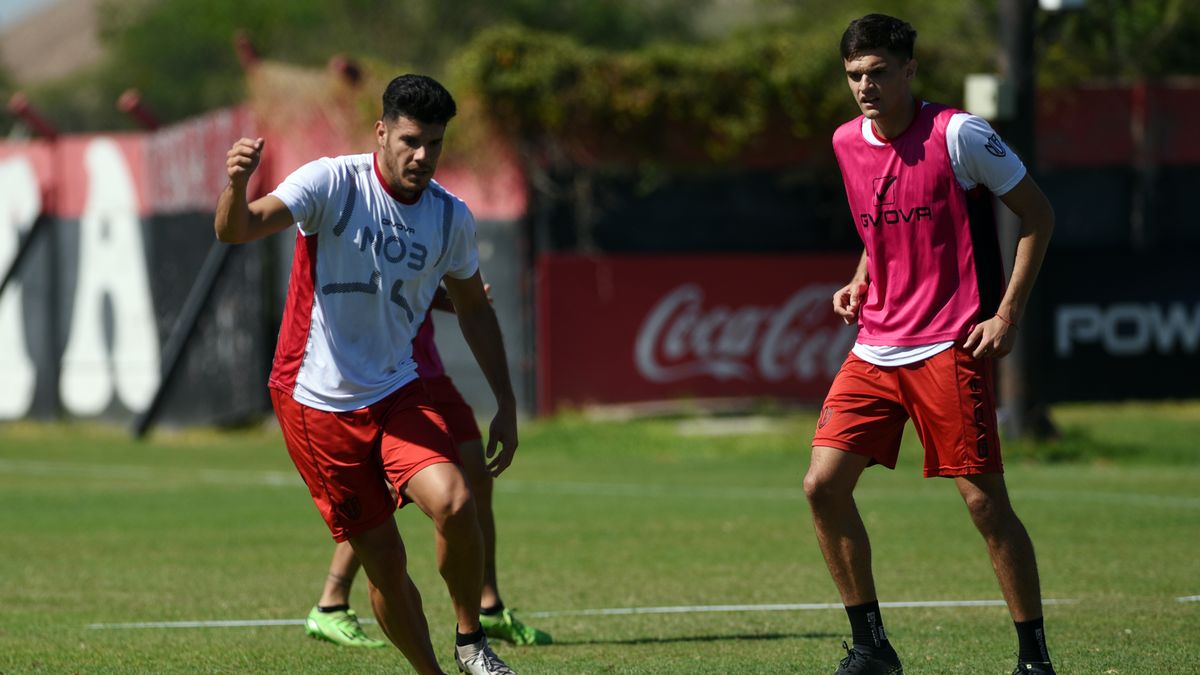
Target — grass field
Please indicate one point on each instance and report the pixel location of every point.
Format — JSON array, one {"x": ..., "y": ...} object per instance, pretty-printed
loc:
[{"x": 207, "y": 526}]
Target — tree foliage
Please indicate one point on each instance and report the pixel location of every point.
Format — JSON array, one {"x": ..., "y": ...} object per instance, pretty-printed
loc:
[
  {"x": 719, "y": 96},
  {"x": 1120, "y": 40},
  {"x": 179, "y": 54},
  {"x": 723, "y": 69}
]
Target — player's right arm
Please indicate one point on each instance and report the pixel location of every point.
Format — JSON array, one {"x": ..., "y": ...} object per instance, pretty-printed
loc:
[
  {"x": 848, "y": 298},
  {"x": 237, "y": 219}
]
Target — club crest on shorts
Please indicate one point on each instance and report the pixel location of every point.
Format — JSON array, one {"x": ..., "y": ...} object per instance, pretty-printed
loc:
[
  {"x": 350, "y": 509},
  {"x": 826, "y": 414}
]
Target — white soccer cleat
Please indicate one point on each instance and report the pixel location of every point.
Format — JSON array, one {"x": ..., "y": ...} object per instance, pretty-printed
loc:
[{"x": 479, "y": 659}]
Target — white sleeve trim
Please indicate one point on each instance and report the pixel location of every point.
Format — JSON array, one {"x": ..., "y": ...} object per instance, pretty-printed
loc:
[{"x": 978, "y": 155}]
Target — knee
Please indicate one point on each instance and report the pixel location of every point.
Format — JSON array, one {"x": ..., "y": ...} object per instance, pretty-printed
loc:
[
  {"x": 454, "y": 511},
  {"x": 821, "y": 492},
  {"x": 991, "y": 516}
]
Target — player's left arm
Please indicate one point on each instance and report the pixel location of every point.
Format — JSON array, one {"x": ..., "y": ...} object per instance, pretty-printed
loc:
[
  {"x": 996, "y": 336},
  {"x": 441, "y": 301},
  {"x": 482, "y": 333}
]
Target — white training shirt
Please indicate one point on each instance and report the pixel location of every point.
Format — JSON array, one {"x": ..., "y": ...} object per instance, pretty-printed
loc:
[
  {"x": 365, "y": 270},
  {"x": 978, "y": 157}
]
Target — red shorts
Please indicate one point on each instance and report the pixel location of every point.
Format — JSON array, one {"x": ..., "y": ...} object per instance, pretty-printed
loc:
[
  {"x": 348, "y": 458},
  {"x": 949, "y": 396},
  {"x": 460, "y": 419}
]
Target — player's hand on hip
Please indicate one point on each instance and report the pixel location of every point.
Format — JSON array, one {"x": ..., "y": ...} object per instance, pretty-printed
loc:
[
  {"x": 990, "y": 339},
  {"x": 848, "y": 299},
  {"x": 502, "y": 441},
  {"x": 242, "y": 159}
]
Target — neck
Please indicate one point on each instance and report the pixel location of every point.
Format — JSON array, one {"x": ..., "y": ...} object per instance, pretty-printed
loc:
[
  {"x": 388, "y": 182},
  {"x": 892, "y": 126}
]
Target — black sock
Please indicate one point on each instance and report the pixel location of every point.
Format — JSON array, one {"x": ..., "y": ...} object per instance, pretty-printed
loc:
[
  {"x": 332, "y": 608},
  {"x": 1031, "y": 640},
  {"x": 468, "y": 639},
  {"x": 866, "y": 626},
  {"x": 493, "y": 610}
]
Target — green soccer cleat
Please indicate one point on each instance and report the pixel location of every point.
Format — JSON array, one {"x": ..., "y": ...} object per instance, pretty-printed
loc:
[
  {"x": 340, "y": 628},
  {"x": 506, "y": 626}
]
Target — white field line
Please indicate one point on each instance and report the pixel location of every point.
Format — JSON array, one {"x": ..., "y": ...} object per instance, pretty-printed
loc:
[
  {"x": 571, "y": 488},
  {"x": 611, "y": 611},
  {"x": 1189, "y": 598}
]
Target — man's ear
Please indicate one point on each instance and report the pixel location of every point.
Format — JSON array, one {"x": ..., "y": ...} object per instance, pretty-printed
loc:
[
  {"x": 910, "y": 69},
  {"x": 381, "y": 132}
]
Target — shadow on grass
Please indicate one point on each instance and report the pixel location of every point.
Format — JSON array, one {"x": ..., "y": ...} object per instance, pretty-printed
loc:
[{"x": 701, "y": 638}]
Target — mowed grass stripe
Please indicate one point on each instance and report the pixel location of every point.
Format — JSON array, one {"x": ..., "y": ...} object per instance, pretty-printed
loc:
[{"x": 567, "y": 488}]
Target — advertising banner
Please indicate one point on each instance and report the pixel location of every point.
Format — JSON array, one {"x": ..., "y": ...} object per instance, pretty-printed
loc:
[
  {"x": 1120, "y": 326},
  {"x": 645, "y": 328}
]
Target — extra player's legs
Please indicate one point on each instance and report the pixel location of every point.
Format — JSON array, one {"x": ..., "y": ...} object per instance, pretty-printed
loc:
[
  {"x": 342, "y": 569},
  {"x": 332, "y": 619},
  {"x": 498, "y": 621},
  {"x": 394, "y": 597},
  {"x": 471, "y": 454},
  {"x": 441, "y": 491},
  {"x": 1013, "y": 559}
]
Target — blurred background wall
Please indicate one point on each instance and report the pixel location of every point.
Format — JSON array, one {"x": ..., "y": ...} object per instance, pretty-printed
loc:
[{"x": 660, "y": 213}]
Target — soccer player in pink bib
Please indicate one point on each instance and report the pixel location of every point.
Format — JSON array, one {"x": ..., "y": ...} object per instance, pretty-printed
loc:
[
  {"x": 375, "y": 237},
  {"x": 934, "y": 314}
]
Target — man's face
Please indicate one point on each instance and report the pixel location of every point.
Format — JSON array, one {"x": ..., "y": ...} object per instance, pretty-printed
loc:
[
  {"x": 880, "y": 82},
  {"x": 408, "y": 153}
]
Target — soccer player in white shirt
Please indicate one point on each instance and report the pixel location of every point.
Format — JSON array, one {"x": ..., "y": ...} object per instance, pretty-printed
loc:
[{"x": 375, "y": 236}]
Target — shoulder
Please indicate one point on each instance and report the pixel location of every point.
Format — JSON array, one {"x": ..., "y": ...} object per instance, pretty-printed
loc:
[
  {"x": 329, "y": 169},
  {"x": 848, "y": 130},
  {"x": 348, "y": 165},
  {"x": 458, "y": 208}
]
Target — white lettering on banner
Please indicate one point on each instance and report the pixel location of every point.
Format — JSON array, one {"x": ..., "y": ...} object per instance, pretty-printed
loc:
[
  {"x": 20, "y": 204},
  {"x": 680, "y": 339},
  {"x": 111, "y": 266},
  {"x": 187, "y": 169},
  {"x": 1128, "y": 329}
]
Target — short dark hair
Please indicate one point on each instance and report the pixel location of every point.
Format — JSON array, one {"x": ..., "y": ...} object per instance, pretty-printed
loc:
[
  {"x": 418, "y": 97},
  {"x": 878, "y": 31}
]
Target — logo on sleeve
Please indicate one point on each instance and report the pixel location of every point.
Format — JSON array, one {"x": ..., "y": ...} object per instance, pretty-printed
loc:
[
  {"x": 882, "y": 185},
  {"x": 995, "y": 146}
]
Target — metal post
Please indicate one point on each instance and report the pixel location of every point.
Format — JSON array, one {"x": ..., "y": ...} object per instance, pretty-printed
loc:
[
  {"x": 183, "y": 330},
  {"x": 1023, "y": 413}
]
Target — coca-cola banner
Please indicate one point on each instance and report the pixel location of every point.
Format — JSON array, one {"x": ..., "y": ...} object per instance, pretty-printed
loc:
[{"x": 643, "y": 328}]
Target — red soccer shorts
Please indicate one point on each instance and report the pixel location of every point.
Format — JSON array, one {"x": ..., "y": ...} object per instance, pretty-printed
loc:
[
  {"x": 949, "y": 397},
  {"x": 348, "y": 458},
  {"x": 460, "y": 419}
]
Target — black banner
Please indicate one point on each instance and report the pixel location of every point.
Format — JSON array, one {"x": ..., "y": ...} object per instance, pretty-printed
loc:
[{"x": 1119, "y": 326}]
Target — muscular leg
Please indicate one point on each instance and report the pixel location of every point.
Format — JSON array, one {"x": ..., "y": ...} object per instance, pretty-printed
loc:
[
  {"x": 394, "y": 597},
  {"x": 471, "y": 453},
  {"x": 829, "y": 486},
  {"x": 342, "y": 569},
  {"x": 1008, "y": 543},
  {"x": 441, "y": 491}
]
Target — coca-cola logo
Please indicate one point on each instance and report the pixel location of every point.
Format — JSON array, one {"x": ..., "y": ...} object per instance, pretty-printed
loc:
[{"x": 799, "y": 339}]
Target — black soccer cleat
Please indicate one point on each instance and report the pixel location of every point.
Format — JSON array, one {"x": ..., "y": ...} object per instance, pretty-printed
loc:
[
  {"x": 1034, "y": 668},
  {"x": 862, "y": 662}
]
